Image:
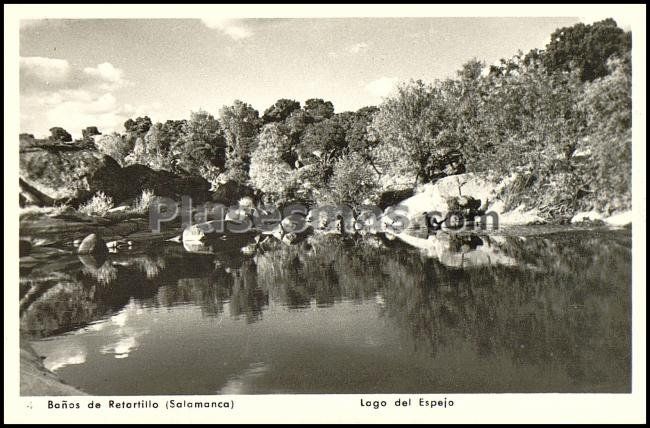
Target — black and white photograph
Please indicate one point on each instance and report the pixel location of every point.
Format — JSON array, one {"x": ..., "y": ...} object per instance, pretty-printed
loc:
[{"x": 400, "y": 210}]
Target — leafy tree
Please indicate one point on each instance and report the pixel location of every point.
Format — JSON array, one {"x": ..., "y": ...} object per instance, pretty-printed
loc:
[
  {"x": 586, "y": 48},
  {"x": 607, "y": 104},
  {"x": 140, "y": 125},
  {"x": 268, "y": 171},
  {"x": 59, "y": 134},
  {"x": 241, "y": 125},
  {"x": 319, "y": 109},
  {"x": 409, "y": 126},
  {"x": 279, "y": 111},
  {"x": 115, "y": 146},
  {"x": 200, "y": 147},
  {"x": 89, "y": 132},
  {"x": 357, "y": 137},
  {"x": 155, "y": 148},
  {"x": 353, "y": 180}
]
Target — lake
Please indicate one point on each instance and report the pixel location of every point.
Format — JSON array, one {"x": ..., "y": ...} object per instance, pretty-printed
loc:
[{"x": 528, "y": 310}]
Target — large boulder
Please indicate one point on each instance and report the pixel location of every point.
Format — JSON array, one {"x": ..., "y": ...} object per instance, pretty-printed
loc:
[
  {"x": 92, "y": 244},
  {"x": 72, "y": 173},
  {"x": 230, "y": 192},
  {"x": 136, "y": 178},
  {"x": 65, "y": 172}
]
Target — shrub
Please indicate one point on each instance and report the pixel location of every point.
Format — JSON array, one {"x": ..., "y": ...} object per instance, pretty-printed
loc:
[
  {"x": 143, "y": 202},
  {"x": 99, "y": 205}
]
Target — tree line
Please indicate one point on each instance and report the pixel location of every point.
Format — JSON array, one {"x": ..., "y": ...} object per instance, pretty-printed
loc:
[{"x": 557, "y": 120}]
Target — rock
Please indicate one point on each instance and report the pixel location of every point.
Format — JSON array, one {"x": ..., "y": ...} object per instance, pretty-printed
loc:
[
  {"x": 137, "y": 178},
  {"x": 67, "y": 171},
  {"x": 119, "y": 244},
  {"x": 393, "y": 197},
  {"x": 249, "y": 250},
  {"x": 589, "y": 216},
  {"x": 193, "y": 234},
  {"x": 24, "y": 248},
  {"x": 74, "y": 172},
  {"x": 93, "y": 261},
  {"x": 120, "y": 209},
  {"x": 620, "y": 219},
  {"x": 92, "y": 244},
  {"x": 29, "y": 195},
  {"x": 289, "y": 238},
  {"x": 230, "y": 192}
]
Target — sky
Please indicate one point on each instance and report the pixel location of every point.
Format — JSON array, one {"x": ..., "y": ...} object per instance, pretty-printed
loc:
[{"x": 86, "y": 72}]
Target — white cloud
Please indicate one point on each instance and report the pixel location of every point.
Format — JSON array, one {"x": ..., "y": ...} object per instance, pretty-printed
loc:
[
  {"x": 105, "y": 71},
  {"x": 54, "y": 93},
  {"x": 48, "y": 71},
  {"x": 357, "y": 47},
  {"x": 233, "y": 28},
  {"x": 42, "y": 74},
  {"x": 382, "y": 87}
]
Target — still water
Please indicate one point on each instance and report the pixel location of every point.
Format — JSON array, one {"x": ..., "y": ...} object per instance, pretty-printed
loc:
[{"x": 520, "y": 312}]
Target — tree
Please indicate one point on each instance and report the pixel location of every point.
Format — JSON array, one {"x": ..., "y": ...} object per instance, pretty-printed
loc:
[
  {"x": 200, "y": 146},
  {"x": 319, "y": 109},
  {"x": 279, "y": 111},
  {"x": 140, "y": 125},
  {"x": 321, "y": 145},
  {"x": 607, "y": 104},
  {"x": 268, "y": 171},
  {"x": 115, "y": 146},
  {"x": 409, "y": 126},
  {"x": 89, "y": 132},
  {"x": 353, "y": 180},
  {"x": 357, "y": 136},
  {"x": 59, "y": 134},
  {"x": 241, "y": 124},
  {"x": 586, "y": 48},
  {"x": 155, "y": 148}
]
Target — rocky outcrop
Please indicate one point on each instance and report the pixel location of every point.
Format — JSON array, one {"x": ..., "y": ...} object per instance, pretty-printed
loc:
[
  {"x": 66, "y": 172},
  {"x": 72, "y": 173},
  {"x": 468, "y": 193}
]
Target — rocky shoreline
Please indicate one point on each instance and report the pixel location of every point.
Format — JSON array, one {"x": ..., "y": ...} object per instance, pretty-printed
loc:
[{"x": 36, "y": 380}]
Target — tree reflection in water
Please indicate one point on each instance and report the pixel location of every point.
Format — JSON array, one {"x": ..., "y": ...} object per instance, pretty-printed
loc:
[{"x": 556, "y": 300}]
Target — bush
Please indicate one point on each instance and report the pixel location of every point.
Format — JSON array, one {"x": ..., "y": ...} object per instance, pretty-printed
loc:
[
  {"x": 143, "y": 202},
  {"x": 99, "y": 205}
]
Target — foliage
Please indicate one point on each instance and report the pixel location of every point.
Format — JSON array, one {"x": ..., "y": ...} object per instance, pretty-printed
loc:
[
  {"x": 143, "y": 202},
  {"x": 241, "y": 124},
  {"x": 353, "y": 180},
  {"x": 586, "y": 48},
  {"x": 319, "y": 109},
  {"x": 59, "y": 134},
  {"x": 410, "y": 126},
  {"x": 268, "y": 171},
  {"x": 98, "y": 205},
  {"x": 115, "y": 146},
  {"x": 154, "y": 149},
  {"x": 607, "y": 104},
  {"x": 200, "y": 148},
  {"x": 279, "y": 111}
]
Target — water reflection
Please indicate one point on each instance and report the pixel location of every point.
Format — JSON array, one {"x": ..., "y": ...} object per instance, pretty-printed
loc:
[{"x": 557, "y": 302}]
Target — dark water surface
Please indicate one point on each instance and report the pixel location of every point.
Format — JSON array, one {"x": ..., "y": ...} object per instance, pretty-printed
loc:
[{"x": 524, "y": 312}]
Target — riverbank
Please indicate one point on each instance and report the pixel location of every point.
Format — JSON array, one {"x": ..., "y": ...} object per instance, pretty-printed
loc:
[{"x": 36, "y": 380}]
